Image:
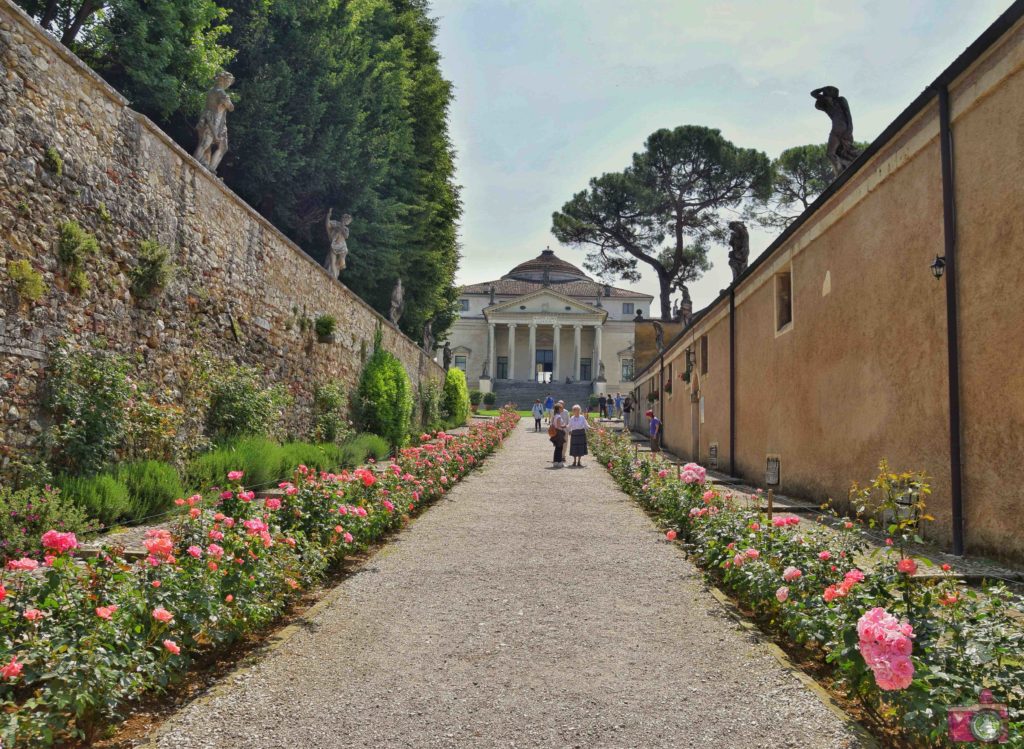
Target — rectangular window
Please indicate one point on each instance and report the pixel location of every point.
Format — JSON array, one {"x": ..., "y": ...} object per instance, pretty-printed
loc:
[
  {"x": 502, "y": 368},
  {"x": 584, "y": 370},
  {"x": 783, "y": 300},
  {"x": 460, "y": 362},
  {"x": 627, "y": 370},
  {"x": 463, "y": 305},
  {"x": 703, "y": 354},
  {"x": 627, "y": 308}
]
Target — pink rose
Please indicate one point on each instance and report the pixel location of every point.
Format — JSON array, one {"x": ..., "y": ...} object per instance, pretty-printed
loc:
[
  {"x": 105, "y": 612},
  {"x": 782, "y": 594},
  {"x": 791, "y": 573},
  {"x": 907, "y": 566},
  {"x": 24, "y": 564},
  {"x": 3, "y": 592},
  {"x": 215, "y": 551},
  {"x": 33, "y": 615},
  {"x": 235, "y": 475},
  {"x": 59, "y": 542},
  {"x": 162, "y": 615},
  {"x": 11, "y": 670},
  {"x": 855, "y": 576},
  {"x": 195, "y": 551},
  {"x": 824, "y": 556},
  {"x": 273, "y": 504},
  {"x": 348, "y": 538},
  {"x": 172, "y": 647}
]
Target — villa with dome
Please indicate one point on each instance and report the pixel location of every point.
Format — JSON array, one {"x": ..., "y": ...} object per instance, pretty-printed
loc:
[{"x": 546, "y": 321}]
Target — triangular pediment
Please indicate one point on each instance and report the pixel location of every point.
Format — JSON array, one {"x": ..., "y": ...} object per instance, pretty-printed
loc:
[{"x": 545, "y": 302}]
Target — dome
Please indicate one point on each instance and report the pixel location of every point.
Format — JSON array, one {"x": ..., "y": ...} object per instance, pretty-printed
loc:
[{"x": 558, "y": 270}]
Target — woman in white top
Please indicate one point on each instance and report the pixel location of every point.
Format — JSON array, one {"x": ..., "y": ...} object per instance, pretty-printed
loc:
[
  {"x": 559, "y": 425},
  {"x": 578, "y": 427}
]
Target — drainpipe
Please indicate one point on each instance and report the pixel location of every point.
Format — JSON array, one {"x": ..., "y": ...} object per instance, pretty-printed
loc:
[
  {"x": 952, "y": 342},
  {"x": 661, "y": 392},
  {"x": 732, "y": 380}
]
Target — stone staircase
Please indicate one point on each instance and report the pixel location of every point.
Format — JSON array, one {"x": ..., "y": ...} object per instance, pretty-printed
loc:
[{"x": 523, "y": 394}]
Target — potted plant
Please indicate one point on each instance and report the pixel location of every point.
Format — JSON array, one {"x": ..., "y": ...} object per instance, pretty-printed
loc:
[
  {"x": 325, "y": 326},
  {"x": 490, "y": 399},
  {"x": 475, "y": 396},
  {"x": 652, "y": 396}
]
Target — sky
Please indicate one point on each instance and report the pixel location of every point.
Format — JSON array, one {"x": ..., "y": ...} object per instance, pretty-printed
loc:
[{"x": 550, "y": 93}]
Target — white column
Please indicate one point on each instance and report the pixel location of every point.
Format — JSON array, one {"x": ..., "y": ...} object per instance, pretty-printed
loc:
[
  {"x": 577, "y": 331},
  {"x": 533, "y": 352},
  {"x": 596, "y": 366},
  {"x": 491, "y": 363},
  {"x": 557, "y": 337},
  {"x": 511, "y": 351}
]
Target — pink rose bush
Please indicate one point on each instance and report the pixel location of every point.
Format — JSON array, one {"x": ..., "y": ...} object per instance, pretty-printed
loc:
[
  {"x": 805, "y": 581},
  {"x": 231, "y": 566}
]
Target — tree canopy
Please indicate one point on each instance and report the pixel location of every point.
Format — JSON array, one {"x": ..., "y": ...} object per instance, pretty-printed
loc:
[
  {"x": 665, "y": 209},
  {"x": 340, "y": 104}
]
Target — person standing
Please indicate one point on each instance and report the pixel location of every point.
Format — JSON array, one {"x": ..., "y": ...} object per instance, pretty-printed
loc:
[
  {"x": 618, "y": 405},
  {"x": 549, "y": 404},
  {"x": 557, "y": 430},
  {"x": 538, "y": 414},
  {"x": 654, "y": 431},
  {"x": 627, "y": 411},
  {"x": 602, "y": 406},
  {"x": 578, "y": 427}
]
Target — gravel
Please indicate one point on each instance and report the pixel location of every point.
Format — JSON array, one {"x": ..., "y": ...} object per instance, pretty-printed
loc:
[{"x": 529, "y": 608}]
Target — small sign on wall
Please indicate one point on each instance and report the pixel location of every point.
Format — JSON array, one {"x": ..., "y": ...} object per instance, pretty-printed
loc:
[
  {"x": 773, "y": 470},
  {"x": 713, "y": 455}
]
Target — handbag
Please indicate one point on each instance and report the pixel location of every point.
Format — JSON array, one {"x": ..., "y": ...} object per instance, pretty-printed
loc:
[{"x": 552, "y": 431}]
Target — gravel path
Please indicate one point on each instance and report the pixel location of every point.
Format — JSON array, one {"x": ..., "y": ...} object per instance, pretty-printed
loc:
[{"x": 530, "y": 608}]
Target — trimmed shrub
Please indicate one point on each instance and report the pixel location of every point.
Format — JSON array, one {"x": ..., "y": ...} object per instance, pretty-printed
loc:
[
  {"x": 385, "y": 398},
  {"x": 103, "y": 497},
  {"x": 430, "y": 406},
  {"x": 26, "y": 514},
  {"x": 490, "y": 399},
  {"x": 240, "y": 406},
  {"x": 152, "y": 487},
  {"x": 455, "y": 400}
]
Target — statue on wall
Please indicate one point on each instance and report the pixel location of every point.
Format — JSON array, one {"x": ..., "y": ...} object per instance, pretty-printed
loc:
[
  {"x": 739, "y": 241},
  {"x": 337, "y": 232},
  {"x": 213, "y": 123},
  {"x": 490, "y": 292},
  {"x": 841, "y": 148},
  {"x": 397, "y": 302},
  {"x": 546, "y": 278},
  {"x": 686, "y": 307},
  {"x": 675, "y": 311},
  {"x": 486, "y": 373},
  {"x": 659, "y": 336},
  {"x": 446, "y": 355},
  {"x": 600, "y": 372},
  {"x": 429, "y": 343}
]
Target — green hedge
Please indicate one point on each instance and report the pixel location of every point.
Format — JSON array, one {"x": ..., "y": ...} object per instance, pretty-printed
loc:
[
  {"x": 456, "y": 398},
  {"x": 385, "y": 398}
]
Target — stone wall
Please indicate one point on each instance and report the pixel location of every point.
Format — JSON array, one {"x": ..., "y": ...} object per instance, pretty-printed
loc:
[{"x": 242, "y": 291}]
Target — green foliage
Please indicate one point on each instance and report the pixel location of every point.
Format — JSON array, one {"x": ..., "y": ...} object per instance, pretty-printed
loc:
[
  {"x": 152, "y": 487},
  {"x": 455, "y": 400},
  {"x": 665, "y": 209},
  {"x": 154, "y": 269},
  {"x": 240, "y": 405},
  {"x": 385, "y": 398},
  {"x": 430, "y": 405},
  {"x": 104, "y": 214},
  {"x": 74, "y": 245},
  {"x": 325, "y": 326},
  {"x": 475, "y": 397},
  {"x": 295, "y": 454},
  {"x": 103, "y": 497},
  {"x": 27, "y": 513},
  {"x": 490, "y": 399},
  {"x": 358, "y": 450},
  {"x": 330, "y": 418},
  {"x": 88, "y": 393},
  {"x": 53, "y": 161},
  {"x": 27, "y": 280}
]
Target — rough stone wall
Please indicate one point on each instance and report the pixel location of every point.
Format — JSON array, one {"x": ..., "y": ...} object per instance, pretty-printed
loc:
[{"x": 241, "y": 289}]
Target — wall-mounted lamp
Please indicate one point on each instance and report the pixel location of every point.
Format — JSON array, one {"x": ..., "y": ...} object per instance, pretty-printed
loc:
[{"x": 938, "y": 267}]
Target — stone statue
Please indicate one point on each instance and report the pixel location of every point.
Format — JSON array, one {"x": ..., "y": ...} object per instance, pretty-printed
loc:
[
  {"x": 490, "y": 290},
  {"x": 841, "y": 148},
  {"x": 486, "y": 374},
  {"x": 397, "y": 302},
  {"x": 429, "y": 344},
  {"x": 546, "y": 278},
  {"x": 600, "y": 372},
  {"x": 446, "y": 355},
  {"x": 337, "y": 232},
  {"x": 659, "y": 336},
  {"x": 213, "y": 123},
  {"x": 675, "y": 311},
  {"x": 639, "y": 316},
  {"x": 739, "y": 241},
  {"x": 686, "y": 307}
]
